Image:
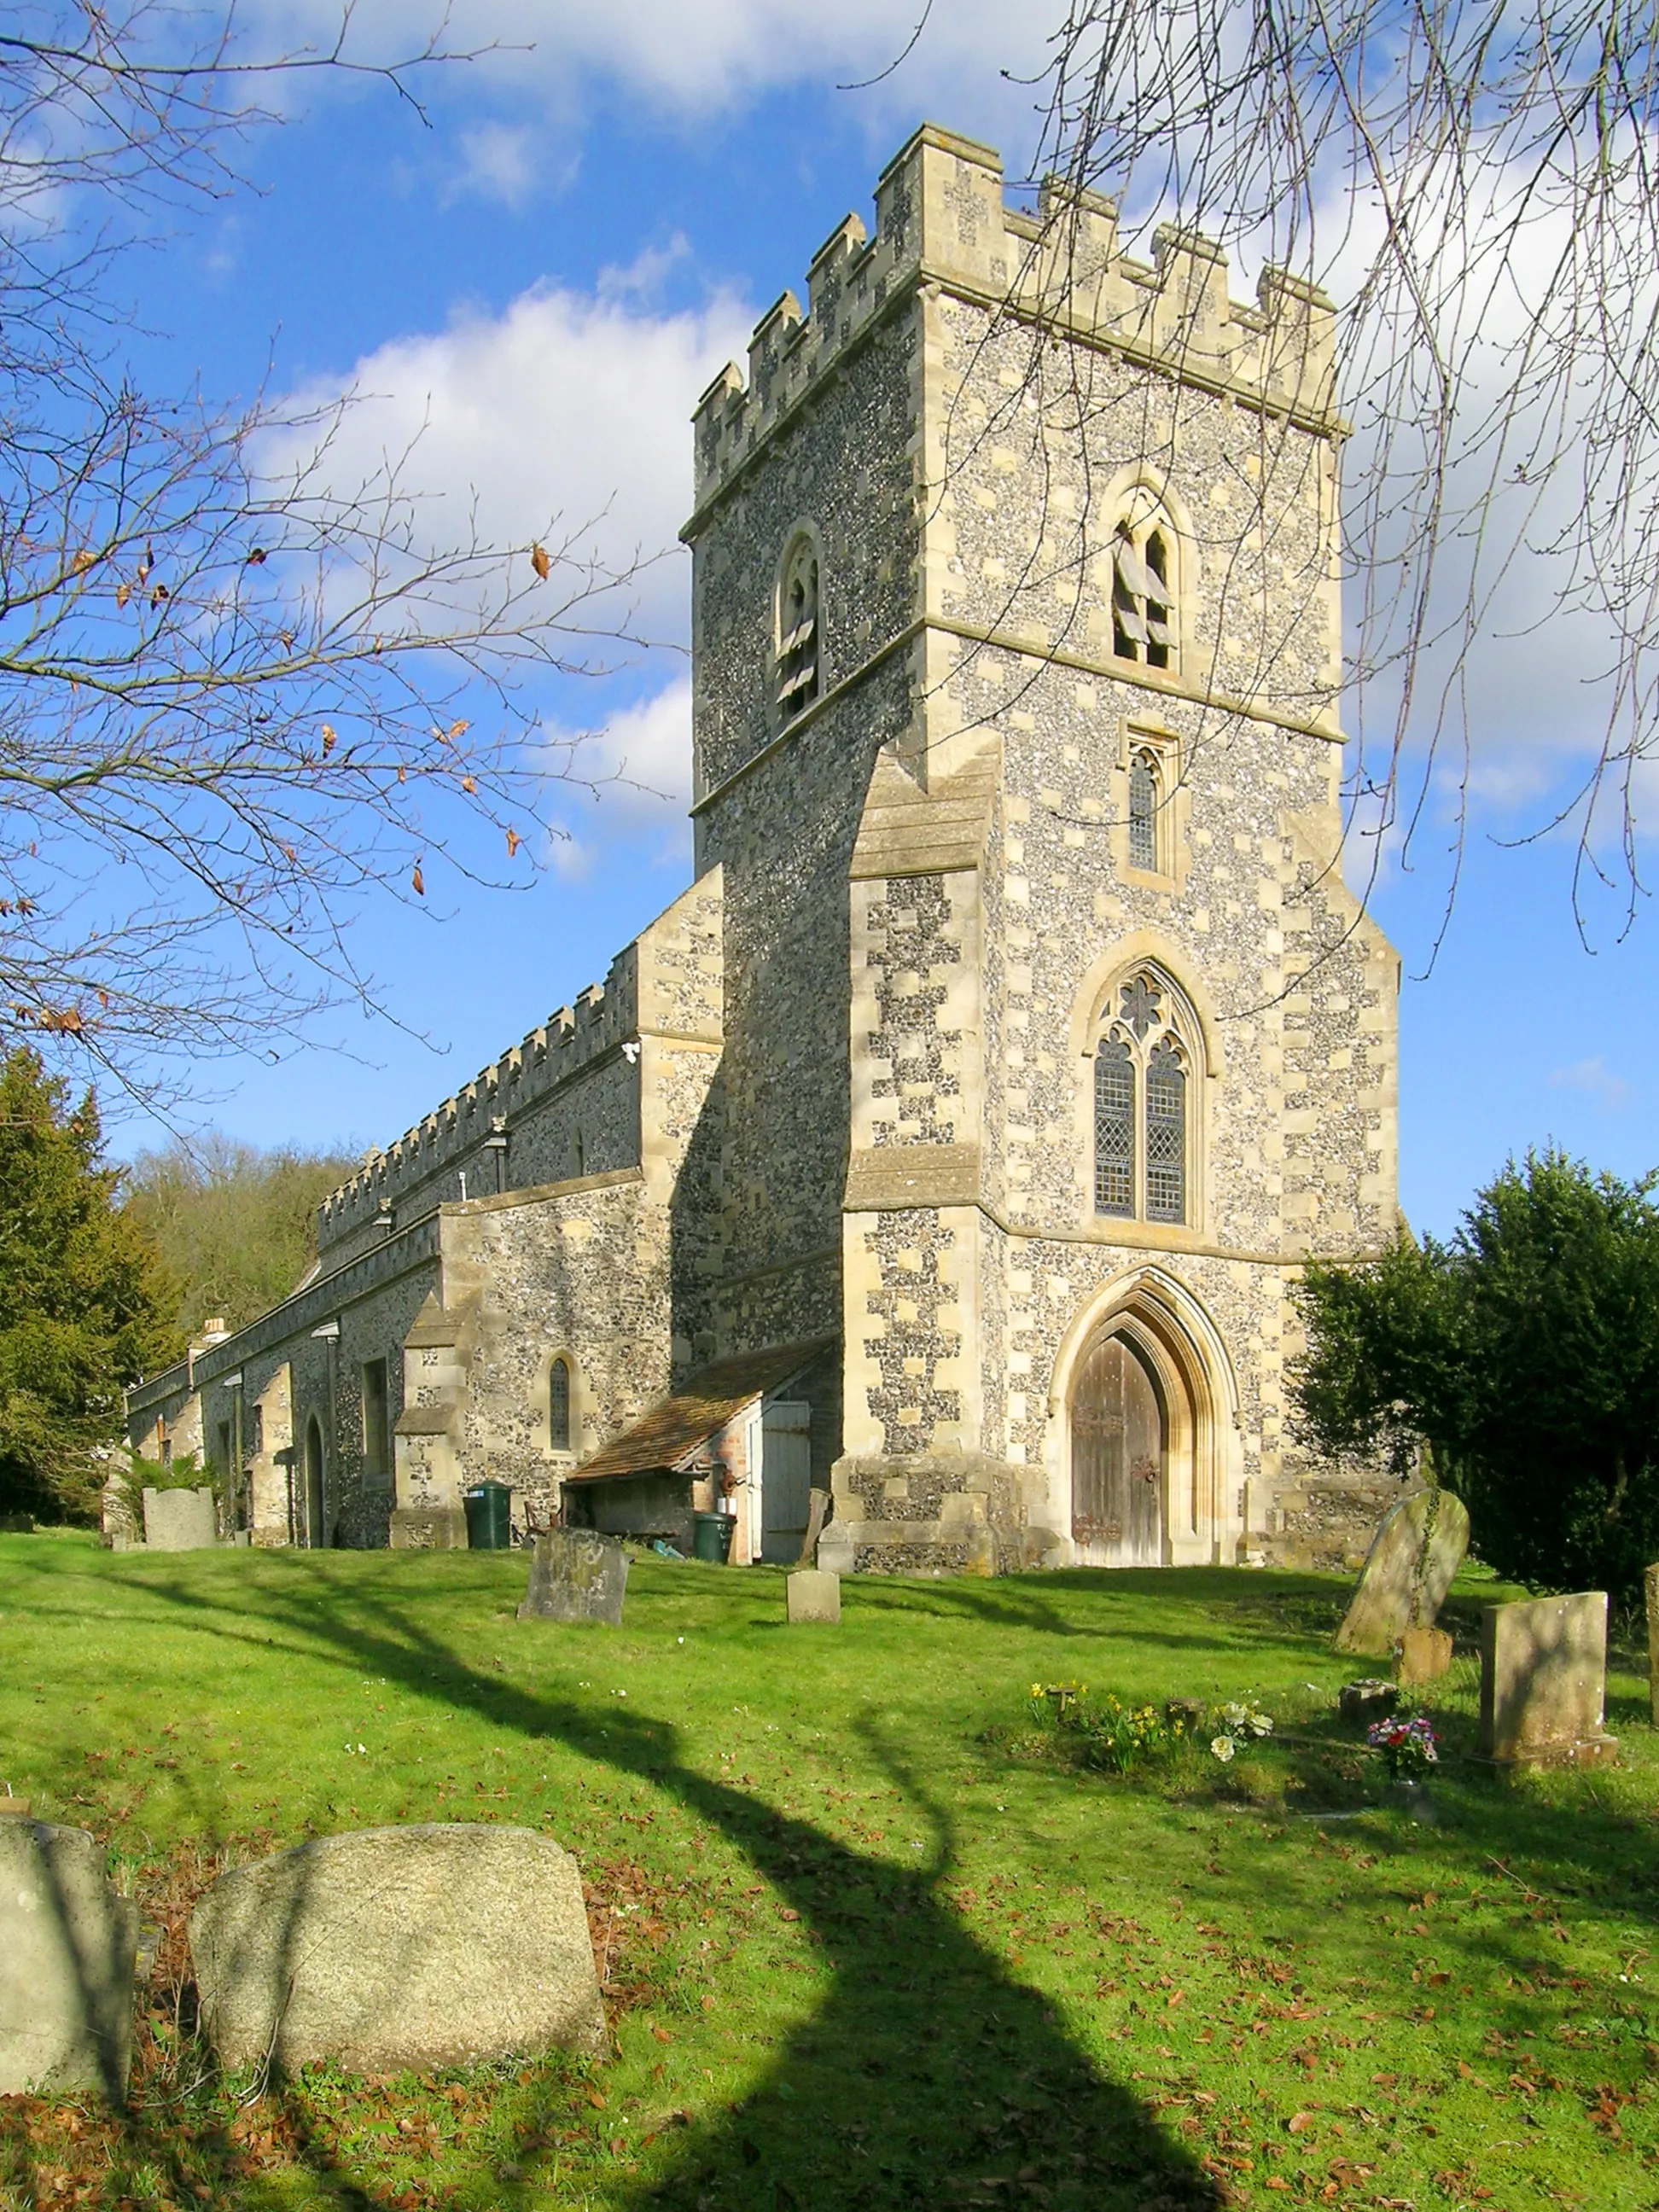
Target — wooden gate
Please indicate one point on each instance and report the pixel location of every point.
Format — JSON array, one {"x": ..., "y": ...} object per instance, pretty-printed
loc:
[
  {"x": 1119, "y": 1450},
  {"x": 786, "y": 1479}
]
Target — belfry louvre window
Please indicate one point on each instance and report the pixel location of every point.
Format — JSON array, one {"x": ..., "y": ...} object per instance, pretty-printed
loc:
[
  {"x": 558, "y": 1406},
  {"x": 1143, "y": 596},
  {"x": 1142, "y": 1104},
  {"x": 800, "y": 643}
]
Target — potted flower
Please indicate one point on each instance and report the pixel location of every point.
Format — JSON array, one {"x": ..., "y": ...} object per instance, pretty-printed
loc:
[{"x": 1409, "y": 1749}]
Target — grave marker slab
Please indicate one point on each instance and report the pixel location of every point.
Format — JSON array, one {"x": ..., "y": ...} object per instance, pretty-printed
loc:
[
  {"x": 69, "y": 1944},
  {"x": 179, "y": 1520},
  {"x": 1423, "y": 1654},
  {"x": 814, "y": 1594},
  {"x": 441, "y": 1945},
  {"x": 1543, "y": 1680},
  {"x": 1417, "y": 1550},
  {"x": 576, "y": 1575}
]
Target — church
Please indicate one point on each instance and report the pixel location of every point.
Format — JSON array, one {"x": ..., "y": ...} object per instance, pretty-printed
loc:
[{"x": 950, "y": 1148}]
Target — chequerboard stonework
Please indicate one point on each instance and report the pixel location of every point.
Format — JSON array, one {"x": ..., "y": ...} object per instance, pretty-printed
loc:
[{"x": 952, "y": 1144}]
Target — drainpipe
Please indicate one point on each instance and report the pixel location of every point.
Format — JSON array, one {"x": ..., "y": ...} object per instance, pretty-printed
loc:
[{"x": 329, "y": 1333}]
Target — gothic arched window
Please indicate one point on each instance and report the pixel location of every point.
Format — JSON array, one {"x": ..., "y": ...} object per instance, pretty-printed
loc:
[
  {"x": 800, "y": 642},
  {"x": 1142, "y": 1139},
  {"x": 1143, "y": 593},
  {"x": 558, "y": 1406}
]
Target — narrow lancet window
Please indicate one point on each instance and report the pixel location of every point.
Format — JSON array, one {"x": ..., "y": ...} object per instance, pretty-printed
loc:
[
  {"x": 1143, "y": 813},
  {"x": 1143, "y": 595},
  {"x": 1166, "y": 1134},
  {"x": 1115, "y": 1128},
  {"x": 799, "y": 641},
  {"x": 558, "y": 1406}
]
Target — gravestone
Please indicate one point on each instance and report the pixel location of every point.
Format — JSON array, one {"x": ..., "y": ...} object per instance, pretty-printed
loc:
[
  {"x": 69, "y": 1944},
  {"x": 1422, "y": 1654},
  {"x": 1414, "y": 1554},
  {"x": 1543, "y": 1678},
  {"x": 1651, "y": 1580},
  {"x": 179, "y": 1520},
  {"x": 1369, "y": 1700},
  {"x": 576, "y": 1575},
  {"x": 814, "y": 1594},
  {"x": 817, "y": 1504},
  {"x": 444, "y": 1945}
]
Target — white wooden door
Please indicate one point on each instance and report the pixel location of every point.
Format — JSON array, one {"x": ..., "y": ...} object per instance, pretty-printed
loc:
[{"x": 785, "y": 1478}]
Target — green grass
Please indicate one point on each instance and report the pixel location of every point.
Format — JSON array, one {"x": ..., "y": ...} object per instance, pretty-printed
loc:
[{"x": 870, "y": 1939}]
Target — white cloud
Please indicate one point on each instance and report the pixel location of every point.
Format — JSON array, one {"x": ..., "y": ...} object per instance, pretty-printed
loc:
[
  {"x": 640, "y": 765},
  {"x": 697, "y": 56},
  {"x": 498, "y": 161},
  {"x": 1610, "y": 1091},
  {"x": 564, "y": 413}
]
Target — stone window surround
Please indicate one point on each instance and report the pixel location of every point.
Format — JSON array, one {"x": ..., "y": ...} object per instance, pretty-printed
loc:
[
  {"x": 1174, "y": 806},
  {"x": 800, "y": 535},
  {"x": 541, "y": 1408},
  {"x": 1093, "y": 1011}
]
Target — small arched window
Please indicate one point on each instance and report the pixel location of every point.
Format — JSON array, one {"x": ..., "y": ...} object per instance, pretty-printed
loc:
[
  {"x": 1144, "y": 798},
  {"x": 800, "y": 642},
  {"x": 1142, "y": 1058},
  {"x": 1143, "y": 594},
  {"x": 558, "y": 1406}
]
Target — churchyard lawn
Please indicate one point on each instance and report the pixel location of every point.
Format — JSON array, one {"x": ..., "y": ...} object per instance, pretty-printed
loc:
[{"x": 867, "y": 1938}]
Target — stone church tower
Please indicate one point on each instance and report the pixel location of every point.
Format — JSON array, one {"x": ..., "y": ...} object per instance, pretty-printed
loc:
[
  {"x": 952, "y": 1144},
  {"x": 1054, "y": 1041}
]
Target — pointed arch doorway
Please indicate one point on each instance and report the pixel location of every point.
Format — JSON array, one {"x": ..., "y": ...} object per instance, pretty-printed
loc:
[{"x": 1120, "y": 1424}]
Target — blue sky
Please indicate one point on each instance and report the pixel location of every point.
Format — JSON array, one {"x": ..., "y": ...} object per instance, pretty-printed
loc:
[{"x": 544, "y": 274}]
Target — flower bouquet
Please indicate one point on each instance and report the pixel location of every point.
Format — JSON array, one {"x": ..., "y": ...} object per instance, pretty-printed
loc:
[
  {"x": 1242, "y": 1724},
  {"x": 1408, "y": 1747}
]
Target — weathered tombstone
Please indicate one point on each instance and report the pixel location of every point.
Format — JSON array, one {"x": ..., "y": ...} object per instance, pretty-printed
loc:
[
  {"x": 1368, "y": 1700},
  {"x": 420, "y": 1947},
  {"x": 69, "y": 1944},
  {"x": 16, "y": 1524},
  {"x": 1416, "y": 1552},
  {"x": 179, "y": 1520},
  {"x": 817, "y": 1504},
  {"x": 1651, "y": 1580},
  {"x": 1422, "y": 1654},
  {"x": 1543, "y": 1679},
  {"x": 814, "y": 1594},
  {"x": 576, "y": 1575}
]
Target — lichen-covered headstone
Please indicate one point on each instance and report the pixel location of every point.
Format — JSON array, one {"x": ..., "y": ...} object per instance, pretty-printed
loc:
[
  {"x": 812, "y": 1594},
  {"x": 68, "y": 1943},
  {"x": 1651, "y": 1580},
  {"x": 180, "y": 1520},
  {"x": 1416, "y": 1552},
  {"x": 1543, "y": 1681},
  {"x": 440, "y": 1945},
  {"x": 576, "y": 1575}
]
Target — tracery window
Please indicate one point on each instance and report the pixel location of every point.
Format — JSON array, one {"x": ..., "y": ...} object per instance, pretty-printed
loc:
[
  {"x": 1142, "y": 1062},
  {"x": 798, "y": 639},
  {"x": 1143, "y": 593},
  {"x": 558, "y": 1406}
]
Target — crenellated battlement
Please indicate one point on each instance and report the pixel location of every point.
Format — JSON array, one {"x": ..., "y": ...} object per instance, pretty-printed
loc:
[
  {"x": 941, "y": 218},
  {"x": 604, "y": 1015}
]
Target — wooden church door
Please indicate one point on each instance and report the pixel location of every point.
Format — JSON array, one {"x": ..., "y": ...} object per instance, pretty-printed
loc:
[{"x": 1118, "y": 1452}]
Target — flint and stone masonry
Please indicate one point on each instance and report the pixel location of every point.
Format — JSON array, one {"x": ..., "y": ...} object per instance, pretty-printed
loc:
[{"x": 1017, "y": 1041}]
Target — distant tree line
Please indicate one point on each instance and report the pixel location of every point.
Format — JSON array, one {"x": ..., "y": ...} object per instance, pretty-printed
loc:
[{"x": 105, "y": 1274}]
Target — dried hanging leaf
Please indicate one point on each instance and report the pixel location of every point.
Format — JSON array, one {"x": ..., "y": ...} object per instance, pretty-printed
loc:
[
  {"x": 403, "y": 773},
  {"x": 146, "y": 565},
  {"x": 416, "y": 881},
  {"x": 469, "y": 784},
  {"x": 513, "y": 842},
  {"x": 83, "y": 560},
  {"x": 458, "y": 730},
  {"x": 329, "y": 740},
  {"x": 540, "y": 563},
  {"x": 158, "y": 595},
  {"x": 123, "y": 594}
]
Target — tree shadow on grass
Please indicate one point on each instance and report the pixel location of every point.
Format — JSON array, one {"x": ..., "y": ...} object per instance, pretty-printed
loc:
[{"x": 928, "y": 2075}]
